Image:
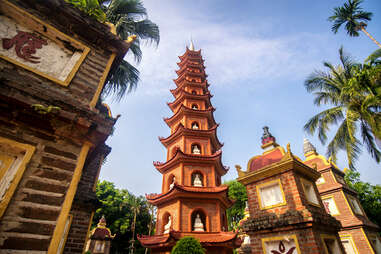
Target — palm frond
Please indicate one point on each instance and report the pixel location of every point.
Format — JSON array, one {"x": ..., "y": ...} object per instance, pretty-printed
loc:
[
  {"x": 124, "y": 79},
  {"x": 374, "y": 56},
  {"x": 369, "y": 141}
]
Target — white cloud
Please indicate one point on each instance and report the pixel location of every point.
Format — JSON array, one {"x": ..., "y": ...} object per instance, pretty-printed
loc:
[{"x": 234, "y": 52}]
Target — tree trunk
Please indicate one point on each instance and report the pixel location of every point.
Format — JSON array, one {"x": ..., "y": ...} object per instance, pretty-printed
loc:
[{"x": 370, "y": 36}]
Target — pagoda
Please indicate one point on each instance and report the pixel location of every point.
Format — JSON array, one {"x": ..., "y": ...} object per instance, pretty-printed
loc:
[{"x": 193, "y": 202}]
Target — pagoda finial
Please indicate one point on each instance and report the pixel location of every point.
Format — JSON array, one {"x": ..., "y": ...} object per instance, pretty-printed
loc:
[
  {"x": 268, "y": 140},
  {"x": 308, "y": 148},
  {"x": 191, "y": 46}
]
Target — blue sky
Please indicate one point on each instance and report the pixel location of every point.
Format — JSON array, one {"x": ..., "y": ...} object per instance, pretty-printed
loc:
[{"x": 257, "y": 56}]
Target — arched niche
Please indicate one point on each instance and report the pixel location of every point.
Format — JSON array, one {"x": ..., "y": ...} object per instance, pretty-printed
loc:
[
  {"x": 195, "y": 125},
  {"x": 171, "y": 178},
  {"x": 224, "y": 227},
  {"x": 165, "y": 220},
  {"x": 202, "y": 216},
  {"x": 194, "y": 106},
  {"x": 194, "y": 92},
  {"x": 200, "y": 176},
  {"x": 195, "y": 148}
]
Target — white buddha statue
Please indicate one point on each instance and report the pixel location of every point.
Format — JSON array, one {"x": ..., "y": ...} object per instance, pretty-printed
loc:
[
  {"x": 173, "y": 183},
  {"x": 196, "y": 150},
  {"x": 246, "y": 240},
  {"x": 197, "y": 181},
  {"x": 198, "y": 226},
  {"x": 167, "y": 226},
  {"x": 195, "y": 126}
]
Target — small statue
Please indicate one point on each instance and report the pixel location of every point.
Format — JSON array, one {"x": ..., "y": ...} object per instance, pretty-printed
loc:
[
  {"x": 173, "y": 183},
  {"x": 194, "y": 106},
  {"x": 196, "y": 150},
  {"x": 198, "y": 225},
  {"x": 246, "y": 240},
  {"x": 195, "y": 126},
  {"x": 167, "y": 226},
  {"x": 197, "y": 181}
]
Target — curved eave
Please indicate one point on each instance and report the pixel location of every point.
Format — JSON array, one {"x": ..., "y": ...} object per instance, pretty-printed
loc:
[
  {"x": 183, "y": 109},
  {"x": 199, "y": 66},
  {"x": 186, "y": 95},
  {"x": 179, "y": 88},
  {"x": 182, "y": 157},
  {"x": 181, "y": 78},
  {"x": 190, "y": 53},
  {"x": 212, "y": 239},
  {"x": 220, "y": 193},
  {"x": 182, "y": 131}
]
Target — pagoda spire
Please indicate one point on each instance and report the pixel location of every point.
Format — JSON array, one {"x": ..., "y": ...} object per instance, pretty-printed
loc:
[{"x": 191, "y": 46}]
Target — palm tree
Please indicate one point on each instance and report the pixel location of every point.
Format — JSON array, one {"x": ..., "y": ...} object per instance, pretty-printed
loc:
[
  {"x": 129, "y": 18},
  {"x": 135, "y": 207},
  {"x": 356, "y": 109},
  {"x": 151, "y": 209},
  {"x": 353, "y": 17}
]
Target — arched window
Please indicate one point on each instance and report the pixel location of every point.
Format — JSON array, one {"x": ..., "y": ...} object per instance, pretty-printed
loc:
[
  {"x": 223, "y": 223},
  {"x": 171, "y": 181},
  {"x": 198, "y": 220},
  {"x": 194, "y": 106},
  {"x": 196, "y": 149},
  {"x": 197, "y": 179},
  {"x": 195, "y": 126},
  {"x": 194, "y": 92},
  {"x": 167, "y": 223}
]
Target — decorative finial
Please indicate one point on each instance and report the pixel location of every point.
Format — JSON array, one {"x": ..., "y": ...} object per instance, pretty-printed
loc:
[
  {"x": 308, "y": 147},
  {"x": 191, "y": 46},
  {"x": 102, "y": 222},
  {"x": 267, "y": 137}
]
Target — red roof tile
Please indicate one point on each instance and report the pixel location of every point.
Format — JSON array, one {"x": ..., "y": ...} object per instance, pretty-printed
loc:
[{"x": 266, "y": 159}]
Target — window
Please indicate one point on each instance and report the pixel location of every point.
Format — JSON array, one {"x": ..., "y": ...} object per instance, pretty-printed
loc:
[
  {"x": 330, "y": 206},
  {"x": 331, "y": 245},
  {"x": 310, "y": 192},
  {"x": 99, "y": 246},
  {"x": 196, "y": 149},
  {"x": 194, "y": 106},
  {"x": 320, "y": 180},
  {"x": 13, "y": 159},
  {"x": 281, "y": 244},
  {"x": 194, "y": 92},
  {"x": 348, "y": 245},
  {"x": 195, "y": 126},
  {"x": 270, "y": 194},
  {"x": 355, "y": 205}
]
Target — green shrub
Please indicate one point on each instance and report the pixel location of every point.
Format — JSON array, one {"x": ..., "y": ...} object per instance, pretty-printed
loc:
[{"x": 188, "y": 245}]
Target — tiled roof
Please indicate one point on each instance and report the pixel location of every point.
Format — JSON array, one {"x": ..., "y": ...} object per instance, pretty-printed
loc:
[
  {"x": 204, "y": 238},
  {"x": 266, "y": 159}
]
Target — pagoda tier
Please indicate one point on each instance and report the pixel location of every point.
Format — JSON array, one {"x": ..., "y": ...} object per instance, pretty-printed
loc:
[
  {"x": 181, "y": 191},
  {"x": 205, "y": 98},
  {"x": 191, "y": 86},
  {"x": 181, "y": 131},
  {"x": 184, "y": 110},
  {"x": 180, "y": 157},
  {"x": 192, "y": 201}
]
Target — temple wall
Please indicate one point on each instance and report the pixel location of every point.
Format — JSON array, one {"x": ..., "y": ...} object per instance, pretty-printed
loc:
[
  {"x": 172, "y": 208},
  {"x": 30, "y": 217}
]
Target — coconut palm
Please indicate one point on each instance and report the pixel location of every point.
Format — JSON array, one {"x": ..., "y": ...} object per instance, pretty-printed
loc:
[
  {"x": 129, "y": 18},
  {"x": 355, "y": 107},
  {"x": 354, "y": 18}
]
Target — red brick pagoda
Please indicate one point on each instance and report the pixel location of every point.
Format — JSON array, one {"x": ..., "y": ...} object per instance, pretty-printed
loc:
[{"x": 193, "y": 202}]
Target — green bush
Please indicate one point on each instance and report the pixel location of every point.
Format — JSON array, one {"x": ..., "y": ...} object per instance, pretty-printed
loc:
[{"x": 188, "y": 245}]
